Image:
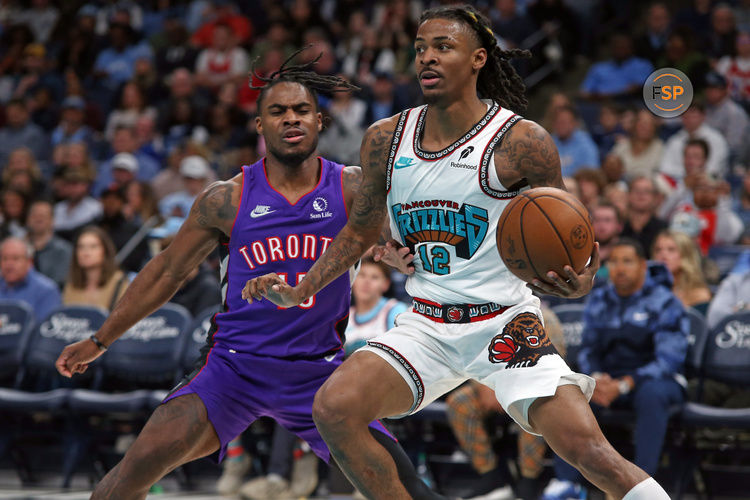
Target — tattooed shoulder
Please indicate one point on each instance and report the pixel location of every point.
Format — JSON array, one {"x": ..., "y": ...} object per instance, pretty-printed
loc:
[
  {"x": 216, "y": 207},
  {"x": 377, "y": 142},
  {"x": 527, "y": 151}
]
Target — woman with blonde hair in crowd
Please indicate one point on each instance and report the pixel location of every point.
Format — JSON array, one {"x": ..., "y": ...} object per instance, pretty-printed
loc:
[
  {"x": 95, "y": 279},
  {"x": 679, "y": 253}
]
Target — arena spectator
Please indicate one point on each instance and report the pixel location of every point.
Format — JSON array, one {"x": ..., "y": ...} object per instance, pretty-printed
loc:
[
  {"x": 607, "y": 222},
  {"x": 121, "y": 230},
  {"x": 372, "y": 313},
  {"x": 608, "y": 128},
  {"x": 140, "y": 204},
  {"x": 682, "y": 54},
  {"x": 36, "y": 74},
  {"x": 222, "y": 13},
  {"x": 725, "y": 115},
  {"x": 694, "y": 127},
  {"x": 560, "y": 23},
  {"x": 575, "y": 146},
  {"x": 19, "y": 131},
  {"x": 19, "y": 280},
  {"x": 131, "y": 107},
  {"x": 622, "y": 76},
  {"x": 636, "y": 352},
  {"x": 733, "y": 296},
  {"x": 72, "y": 126},
  {"x": 678, "y": 252},
  {"x": 720, "y": 40},
  {"x": 346, "y": 128},
  {"x": 736, "y": 69},
  {"x": 195, "y": 172},
  {"x": 175, "y": 51},
  {"x": 127, "y": 157},
  {"x": 94, "y": 279},
  {"x": 76, "y": 208},
  {"x": 52, "y": 254},
  {"x": 22, "y": 173},
  {"x": 613, "y": 170},
  {"x": 115, "y": 65},
  {"x": 652, "y": 43},
  {"x": 707, "y": 214},
  {"x": 510, "y": 24},
  {"x": 641, "y": 223},
  {"x": 221, "y": 62},
  {"x": 14, "y": 205},
  {"x": 641, "y": 151},
  {"x": 591, "y": 184},
  {"x": 41, "y": 16}
]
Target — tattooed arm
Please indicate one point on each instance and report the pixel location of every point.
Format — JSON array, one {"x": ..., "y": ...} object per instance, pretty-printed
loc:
[
  {"x": 212, "y": 214},
  {"x": 361, "y": 231},
  {"x": 528, "y": 152}
]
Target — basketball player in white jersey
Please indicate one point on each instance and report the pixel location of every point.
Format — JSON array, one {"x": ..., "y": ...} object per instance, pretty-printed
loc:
[{"x": 443, "y": 173}]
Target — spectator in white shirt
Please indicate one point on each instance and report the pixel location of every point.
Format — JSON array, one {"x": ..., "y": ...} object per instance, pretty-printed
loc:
[{"x": 693, "y": 127}]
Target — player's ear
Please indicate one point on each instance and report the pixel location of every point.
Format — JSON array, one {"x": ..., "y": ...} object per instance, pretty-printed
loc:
[
  {"x": 258, "y": 125},
  {"x": 319, "y": 117},
  {"x": 479, "y": 58}
]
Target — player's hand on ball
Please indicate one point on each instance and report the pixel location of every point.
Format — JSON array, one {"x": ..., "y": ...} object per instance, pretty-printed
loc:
[
  {"x": 75, "y": 358},
  {"x": 395, "y": 255},
  {"x": 273, "y": 288},
  {"x": 573, "y": 285}
]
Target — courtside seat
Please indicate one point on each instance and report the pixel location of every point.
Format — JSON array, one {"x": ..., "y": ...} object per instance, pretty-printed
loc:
[
  {"x": 725, "y": 359},
  {"x": 13, "y": 400},
  {"x": 16, "y": 321},
  {"x": 149, "y": 355}
]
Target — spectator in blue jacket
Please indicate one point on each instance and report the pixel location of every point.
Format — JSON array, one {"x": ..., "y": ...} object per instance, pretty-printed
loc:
[{"x": 635, "y": 338}]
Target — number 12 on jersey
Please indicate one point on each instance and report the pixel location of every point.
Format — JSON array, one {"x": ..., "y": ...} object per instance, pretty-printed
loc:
[
  {"x": 436, "y": 261},
  {"x": 306, "y": 304}
]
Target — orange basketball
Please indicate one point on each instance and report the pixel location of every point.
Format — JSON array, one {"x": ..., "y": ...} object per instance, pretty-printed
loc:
[{"x": 544, "y": 229}]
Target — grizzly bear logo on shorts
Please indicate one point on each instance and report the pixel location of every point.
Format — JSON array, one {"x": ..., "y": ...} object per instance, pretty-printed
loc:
[{"x": 522, "y": 342}]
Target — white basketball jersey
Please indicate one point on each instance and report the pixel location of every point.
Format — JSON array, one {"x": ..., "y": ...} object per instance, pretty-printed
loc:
[{"x": 445, "y": 206}]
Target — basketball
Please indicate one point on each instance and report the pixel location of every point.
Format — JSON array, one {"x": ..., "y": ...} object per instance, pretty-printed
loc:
[{"x": 544, "y": 229}]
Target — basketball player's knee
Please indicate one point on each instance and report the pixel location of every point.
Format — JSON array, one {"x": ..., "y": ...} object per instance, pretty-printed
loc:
[{"x": 334, "y": 407}]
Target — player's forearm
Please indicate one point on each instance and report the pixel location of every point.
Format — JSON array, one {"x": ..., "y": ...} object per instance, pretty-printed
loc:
[
  {"x": 350, "y": 244},
  {"x": 150, "y": 289}
]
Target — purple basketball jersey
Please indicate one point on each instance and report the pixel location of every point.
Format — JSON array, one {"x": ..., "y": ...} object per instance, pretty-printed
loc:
[{"x": 272, "y": 235}]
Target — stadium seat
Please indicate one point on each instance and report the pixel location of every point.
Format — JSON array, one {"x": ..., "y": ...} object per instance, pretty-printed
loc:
[
  {"x": 725, "y": 359},
  {"x": 38, "y": 388},
  {"x": 16, "y": 320},
  {"x": 571, "y": 319}
]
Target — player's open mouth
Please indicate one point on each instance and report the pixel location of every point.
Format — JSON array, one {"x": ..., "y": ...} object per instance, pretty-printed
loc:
[
  {"x": 429, "y": 78},
  {"x": 293, "y": 136},
  {"x": 533, "y": 340}
]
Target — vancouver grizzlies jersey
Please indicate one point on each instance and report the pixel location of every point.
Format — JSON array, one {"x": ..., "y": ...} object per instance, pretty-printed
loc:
[
  {"x": 272, "y": 235},
  {"x": 445, "y": 206}
]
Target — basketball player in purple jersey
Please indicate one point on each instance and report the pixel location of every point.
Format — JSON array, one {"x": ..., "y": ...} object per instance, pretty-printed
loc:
[
  {"x": 444, "y": 172},
  {"x": 260, "y": 360}
]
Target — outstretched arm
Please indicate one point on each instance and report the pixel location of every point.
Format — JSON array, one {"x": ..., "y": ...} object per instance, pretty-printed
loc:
[
  {"x": 360, "y": 232},
  {"x": 212, "y": 213},
  {"x": 528, "y": 152}
]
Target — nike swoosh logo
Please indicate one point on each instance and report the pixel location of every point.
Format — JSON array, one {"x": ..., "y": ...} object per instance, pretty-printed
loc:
[
  {"x": 330, "y": 357},
  {"x": 255, "y": 214},
  {"x": 404, "y": 163}
]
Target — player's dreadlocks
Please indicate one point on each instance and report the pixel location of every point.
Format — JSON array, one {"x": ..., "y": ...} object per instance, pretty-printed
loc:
[
  {"x": 498, "y": 79},
  {"x": 302, "y": 74}
]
